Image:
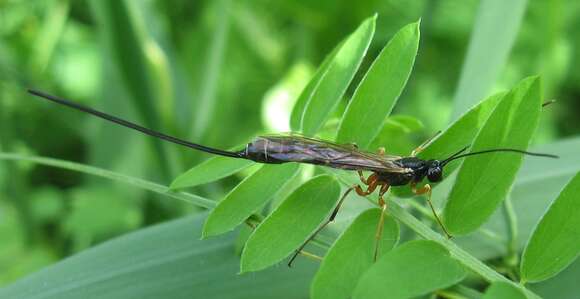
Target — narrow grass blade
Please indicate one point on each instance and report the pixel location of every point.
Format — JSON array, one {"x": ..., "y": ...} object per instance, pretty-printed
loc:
[
  {"x": 122, "y": 39},
  {"x": 248, "y": 197},
  {"x": 285, "y": 229},
  {"x": 351, "y": 255},
  {"x": 502, "y": 290},
  {"x": 379, "y": 90},
  {"x": 408, "y": 271},
  {"x": 494, "y": 32},
  {"x": 483, "y": 181},
  {"x": 335, "y": 81},
  {"x": 555, "y": 243}
]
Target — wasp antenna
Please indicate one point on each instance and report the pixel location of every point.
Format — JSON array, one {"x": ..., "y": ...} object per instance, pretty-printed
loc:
[{"x": 513, "y": 150}]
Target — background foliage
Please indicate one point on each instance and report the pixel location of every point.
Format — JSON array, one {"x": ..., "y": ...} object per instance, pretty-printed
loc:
[{"x": 220, "y": 72}]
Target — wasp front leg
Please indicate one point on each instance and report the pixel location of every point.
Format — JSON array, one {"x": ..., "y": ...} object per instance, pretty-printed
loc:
[{"x": 427, "y": 190}]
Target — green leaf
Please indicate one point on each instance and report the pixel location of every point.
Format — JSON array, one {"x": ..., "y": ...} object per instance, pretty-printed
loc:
[
  {"x": 163, "y": 261},
  {"x": 412, "y": 269},
  {"x": 458, "y": 135},
  {"x": 494, "y": 32},
  {"x": 562, "y": 286},
  {"x": 379, "y": 90},
  {"x": 248, "y": 197},
  {"x": 483, "y": 181},
  {"x": 502, "y": 290},
  {"x": 308, "y": 91},
  {"x": 335, "y": 81},
  {"x": 285, "y": 229},
  {"x": 210, "y": 170},
  {"x": 351, "y": 255},
  {"x": 555, "y": 243}
]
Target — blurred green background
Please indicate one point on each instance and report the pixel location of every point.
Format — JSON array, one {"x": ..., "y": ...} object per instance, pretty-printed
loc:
[{"x": 217, "y": 73}]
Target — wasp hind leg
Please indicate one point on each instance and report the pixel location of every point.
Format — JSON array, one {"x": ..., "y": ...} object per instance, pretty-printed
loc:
[
  {"x": 321, "y": 227},
  {"x": 427, "y": 190}
]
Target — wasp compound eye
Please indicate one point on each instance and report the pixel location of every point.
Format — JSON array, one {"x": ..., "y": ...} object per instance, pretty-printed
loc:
[{"x": 434, "y": 174}]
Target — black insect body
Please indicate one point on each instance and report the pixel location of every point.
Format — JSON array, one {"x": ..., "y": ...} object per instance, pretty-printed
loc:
[{"x": 387, "y": 170}]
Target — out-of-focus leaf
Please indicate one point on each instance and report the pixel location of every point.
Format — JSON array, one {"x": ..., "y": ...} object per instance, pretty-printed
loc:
[
  {"x": 121, "y": 38},
  {"x": 336, "y": 79},
  {"x": 286, "y": 228},
  {"x": 483, "y": 181},
  {"x": 307, "y": 92},
  {"x": 555, "y": 242},
  {"x": 166, "y": 260},
  {"x": 562, "y": 286},
  {"x": 412, "y": 269},
  {"x": 494, "y": 32},
  {"x": 502, "y": 290},
  {"x": 351, "y": 255},
  {"x": 248, "y": 197},
  {"x": 210, "y": 170},
  {"x": 378, "y": 92}
]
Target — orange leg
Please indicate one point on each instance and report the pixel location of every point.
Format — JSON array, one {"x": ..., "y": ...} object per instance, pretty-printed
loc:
[
  {"x": 427, "y": 189},
  {"x": 372, "y": 182},
  {"x": 382, "y": 151},
  {"x": 379, "y": 232}
]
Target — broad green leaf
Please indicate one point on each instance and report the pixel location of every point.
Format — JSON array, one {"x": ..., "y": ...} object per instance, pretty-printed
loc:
[
  {"x": 483, "y": 181},
  {"x": 458, "y": 135},
  {"x": 163, "y": 261},
  {"x": 335, "y": 81},
  {"x": 286, "y": 228},
  {"x": 494, "y": 32},
  {"x": 210, "y": 170},
  {"x": 379, "y": 90},
  {"x": 503, "y": 290},
  {"x": 307, "y": 92},
  {"x": 412, "y": 269},
  {"x": 248, "y": 197},
  {"x": 351, "y": 255},
  {"x": 555, "y": 242}
]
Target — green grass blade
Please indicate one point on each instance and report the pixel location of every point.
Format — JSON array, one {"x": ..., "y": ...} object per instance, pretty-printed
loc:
[
  {"x": 474, "y": 196},
  {"x": 122, "y": 39},
  {"x": 248, "y": 197},
  {"x": 308, "y": 91},
  {"x": 163, "y": 261},
  {"x": 129, "y": 180},
  {"x": 495, "y": 30},
  {"x": 210, "y": 170},
  {"x": 458, "y": 135},
  {"x": 502, "y": 290},
  {"x": 285, "y": 229},
  {"x": 379, "y": 90},
  {"x": 408, "y": 271},
  {"x": 351, "y": 255},
  {"x": 555, "y": 242},
  {"x": 335, "y": 81}
]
